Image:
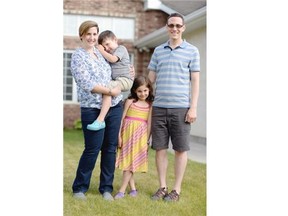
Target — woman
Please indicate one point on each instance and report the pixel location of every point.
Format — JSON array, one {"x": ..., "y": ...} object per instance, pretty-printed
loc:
[{"x": 92, "y": 74}]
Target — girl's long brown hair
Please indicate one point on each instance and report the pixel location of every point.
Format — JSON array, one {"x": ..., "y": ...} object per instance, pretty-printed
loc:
[{"x": 139, "y": 81}]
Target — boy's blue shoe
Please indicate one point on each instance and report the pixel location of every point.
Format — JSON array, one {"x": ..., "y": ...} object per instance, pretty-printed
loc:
[{"x": 96, "y": 125}]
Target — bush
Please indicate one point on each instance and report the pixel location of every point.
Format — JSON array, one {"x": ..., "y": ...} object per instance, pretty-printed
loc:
[{"x": 78, "y": 124}]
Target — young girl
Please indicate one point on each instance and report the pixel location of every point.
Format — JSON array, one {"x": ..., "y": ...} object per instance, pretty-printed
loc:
[{"x": 132, "y": 155}]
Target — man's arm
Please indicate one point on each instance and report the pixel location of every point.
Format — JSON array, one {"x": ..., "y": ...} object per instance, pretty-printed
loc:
[
  {"x": 192, "y": 112},
  {"x": 195, "y": 78},
  {"x": 152, "y": 76}
]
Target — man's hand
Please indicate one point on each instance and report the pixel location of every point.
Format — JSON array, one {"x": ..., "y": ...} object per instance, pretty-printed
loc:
[{"x": 191, "y": 115}]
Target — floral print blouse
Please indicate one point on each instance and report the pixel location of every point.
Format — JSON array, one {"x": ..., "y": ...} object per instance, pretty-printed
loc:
[{"x": 88, "y": 73}]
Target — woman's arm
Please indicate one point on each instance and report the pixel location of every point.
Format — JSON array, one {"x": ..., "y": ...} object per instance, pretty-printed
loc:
[
  {"x": 105, "y": 90},
  {"x": 83, "y": 79}
]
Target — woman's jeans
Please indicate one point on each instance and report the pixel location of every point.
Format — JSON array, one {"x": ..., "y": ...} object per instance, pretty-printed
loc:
[{"x": 104, "y": 140}]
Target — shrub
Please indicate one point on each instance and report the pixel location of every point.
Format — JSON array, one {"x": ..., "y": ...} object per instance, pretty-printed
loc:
[{"x": 78, "y": 124}]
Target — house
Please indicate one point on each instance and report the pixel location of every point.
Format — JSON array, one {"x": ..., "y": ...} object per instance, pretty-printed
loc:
[{"x": 140, "y": 26}]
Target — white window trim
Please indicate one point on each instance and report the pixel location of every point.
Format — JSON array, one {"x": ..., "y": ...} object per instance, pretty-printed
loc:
[
  {"x": 74, "y": 86},
  {"x": 123, "y": 27}
]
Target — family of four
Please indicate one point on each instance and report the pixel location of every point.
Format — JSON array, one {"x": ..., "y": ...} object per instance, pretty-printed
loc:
[{"x": 121, "y": 133}]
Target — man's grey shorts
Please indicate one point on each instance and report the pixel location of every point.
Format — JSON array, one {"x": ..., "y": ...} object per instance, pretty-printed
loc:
[{"x": 170, "y": 123}]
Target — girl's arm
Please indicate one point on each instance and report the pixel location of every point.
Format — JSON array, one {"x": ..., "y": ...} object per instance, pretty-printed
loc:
[{"x": 127, "y": 104}]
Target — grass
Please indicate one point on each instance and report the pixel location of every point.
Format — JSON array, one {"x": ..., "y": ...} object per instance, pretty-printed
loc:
[{"x": 192, "y": 201}]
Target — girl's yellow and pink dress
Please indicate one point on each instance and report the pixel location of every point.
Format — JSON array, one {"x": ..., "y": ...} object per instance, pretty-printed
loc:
[{"x": 133, "y": 155}]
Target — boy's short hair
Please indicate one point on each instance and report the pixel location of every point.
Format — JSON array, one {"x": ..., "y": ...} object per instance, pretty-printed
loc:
[{"x": 104, "y": 35}]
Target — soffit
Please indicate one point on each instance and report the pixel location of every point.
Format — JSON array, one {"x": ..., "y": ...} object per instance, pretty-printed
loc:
[
  {"x": 193, "y": 21},
  {"x": 184, "y": 7}
]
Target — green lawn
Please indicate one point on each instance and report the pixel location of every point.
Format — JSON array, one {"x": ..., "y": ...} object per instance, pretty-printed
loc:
[{"x": 192, "y": 200}]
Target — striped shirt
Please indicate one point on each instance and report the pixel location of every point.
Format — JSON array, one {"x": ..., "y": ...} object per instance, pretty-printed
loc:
[{"x": 173, "y": 68}]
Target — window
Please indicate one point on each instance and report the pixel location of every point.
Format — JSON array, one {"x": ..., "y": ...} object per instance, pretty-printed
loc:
[
  {"x": 69, "y": 85},
  {"x": 69, "y": 94},
  {"x": 122, "y": 27}
]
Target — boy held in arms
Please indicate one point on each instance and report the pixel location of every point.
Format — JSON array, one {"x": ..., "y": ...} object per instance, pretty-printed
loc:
[{"x": 119, "y": 60}]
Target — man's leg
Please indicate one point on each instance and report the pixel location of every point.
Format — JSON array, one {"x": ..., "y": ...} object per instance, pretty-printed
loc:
[
  {"x": 179, "y": 169},
  {"x": 160, "y": 141},
  {"x": 180, "y": 135},
  {"x": 162, "y": 164}
]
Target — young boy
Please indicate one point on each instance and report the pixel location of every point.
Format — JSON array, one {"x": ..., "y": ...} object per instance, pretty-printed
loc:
[{"x": 119, "y": 60}]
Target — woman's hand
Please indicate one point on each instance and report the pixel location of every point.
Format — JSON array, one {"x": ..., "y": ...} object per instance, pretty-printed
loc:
[{"x": 115, "y": 91}]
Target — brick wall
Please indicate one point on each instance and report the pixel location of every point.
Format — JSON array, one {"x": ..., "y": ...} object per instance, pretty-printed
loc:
[
  {"x": 71, "y": 112},
  {"x": 145, "y": 23}
]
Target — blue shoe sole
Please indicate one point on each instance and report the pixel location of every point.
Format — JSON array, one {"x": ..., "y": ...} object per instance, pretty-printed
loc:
[{"x": 90, "y": 127}]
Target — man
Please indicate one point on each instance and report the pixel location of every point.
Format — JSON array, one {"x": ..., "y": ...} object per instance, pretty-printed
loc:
[{"x": 174, "y": 67}]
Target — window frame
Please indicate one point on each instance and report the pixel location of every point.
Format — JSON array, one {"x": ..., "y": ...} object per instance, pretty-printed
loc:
[
  {"x": 71, "y": 23},
  {"x": 67, "y": 74}
]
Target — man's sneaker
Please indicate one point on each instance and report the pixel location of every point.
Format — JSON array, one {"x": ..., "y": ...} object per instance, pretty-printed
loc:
[
  {"x": 79, "y": 195},
  {"x": 96, "y": 125},
  {"x": 133, "y": 193},
  {"x": 107, "y": 196},
  {"x": 172, "y": 196},
  {"x": 160, "y": 194},
  {"x": 119, "y": 195}
]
